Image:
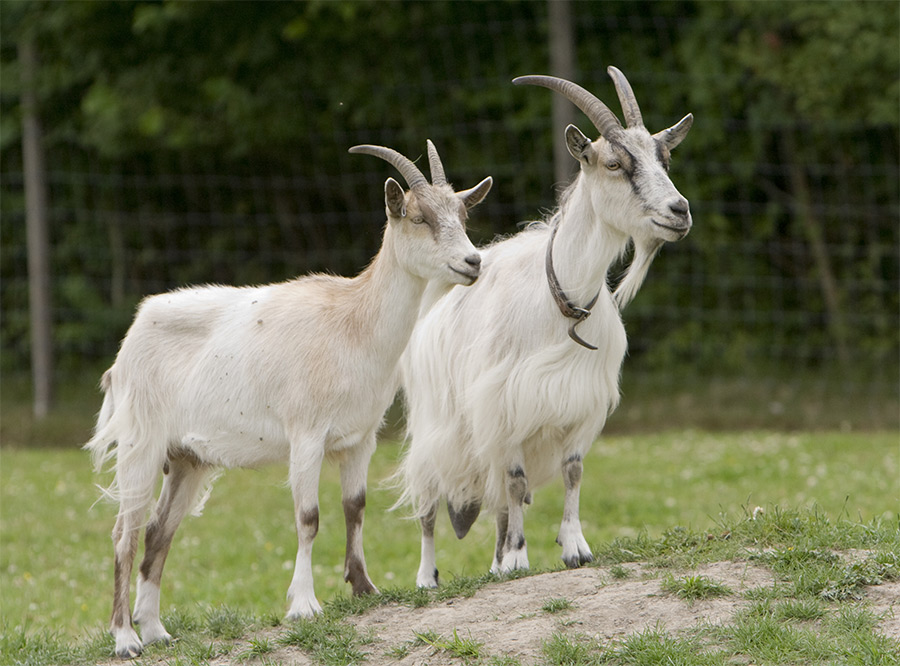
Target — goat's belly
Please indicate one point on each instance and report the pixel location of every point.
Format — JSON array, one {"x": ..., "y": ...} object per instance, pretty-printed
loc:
[{"x": 237, "y": 448}]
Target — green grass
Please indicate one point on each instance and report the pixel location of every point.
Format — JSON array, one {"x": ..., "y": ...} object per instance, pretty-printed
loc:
[
  {"x": 791, "y": 623},
  {"x": 56, "y": 554},
  {"x": 465, "y": 648},
  {"x": 557, "y": 605},
  {"x": 576, "y": 650},
  {"x": 691, "y": 588}
]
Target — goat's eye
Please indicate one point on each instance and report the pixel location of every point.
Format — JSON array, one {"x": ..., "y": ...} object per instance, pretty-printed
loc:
[
  {"x": 418, "y": 219},
  {"x": 613, "y": 165}
]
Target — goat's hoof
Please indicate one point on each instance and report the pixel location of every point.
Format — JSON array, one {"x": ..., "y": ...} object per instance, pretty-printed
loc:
[
  {"x": 154, "y": 632},
  {"x": 128, "y": 645},
  {"x": 575, "y": 561},
  {"x": 304, "y": 610},
  {"x": 514, "y": 560},
  {"x": 428, "y": 582},
  {"x": 367, "y": 587}
]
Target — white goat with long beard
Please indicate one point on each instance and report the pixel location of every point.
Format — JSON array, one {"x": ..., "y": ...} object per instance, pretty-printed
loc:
[
  {"x": 215, "y": 377},
  {"x": 502, "y": 391}
]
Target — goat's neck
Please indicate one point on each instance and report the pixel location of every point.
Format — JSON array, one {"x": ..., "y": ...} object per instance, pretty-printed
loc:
[
  {"x": 388, "y": 297},
  {"x": 585, "y": 245}
]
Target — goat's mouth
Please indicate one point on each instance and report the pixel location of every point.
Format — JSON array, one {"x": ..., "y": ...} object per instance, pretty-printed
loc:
[
  {"x": 470, "y": 276},
  {"x": 679, "y": 231}
]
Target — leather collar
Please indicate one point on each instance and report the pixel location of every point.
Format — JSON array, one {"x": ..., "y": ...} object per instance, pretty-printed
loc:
[{"x": 566, "y": 307}]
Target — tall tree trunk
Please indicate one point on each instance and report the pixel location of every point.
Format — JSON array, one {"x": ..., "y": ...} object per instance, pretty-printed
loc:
[
  {"x": 562, "y": 64},
  {"x": 815, "y": 236},
  {"x": 38, "y": 236}
]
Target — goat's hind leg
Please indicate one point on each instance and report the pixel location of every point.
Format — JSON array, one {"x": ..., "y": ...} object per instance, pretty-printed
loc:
[
  {"x": 515, "y": 553},
  {"x": 354, "y": 469},
  {"x": 185, "y": 477},
  {"x": 136, "y": 478},
  {"x": 500, "y": 548},
  {"x": 125, "y": 542},
  {"x": 575, "y": 548}
]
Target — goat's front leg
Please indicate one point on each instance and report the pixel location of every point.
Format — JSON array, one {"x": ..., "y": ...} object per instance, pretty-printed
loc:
[
  {"x": 354, "y": 469},
  {"x": 515, "y": 553},
  {"x": 306, "y": 465},
  {"x": 427, "y": 575},
  {"x": 575, "y": 548}
]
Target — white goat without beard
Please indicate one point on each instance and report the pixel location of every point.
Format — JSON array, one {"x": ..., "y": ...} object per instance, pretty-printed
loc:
[
  {"x": 216, "y": 377},
  {"x": 499, "y": 398}
]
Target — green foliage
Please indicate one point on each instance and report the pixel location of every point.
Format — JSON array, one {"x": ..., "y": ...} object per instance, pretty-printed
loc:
[{"x": 152, "y": 111}]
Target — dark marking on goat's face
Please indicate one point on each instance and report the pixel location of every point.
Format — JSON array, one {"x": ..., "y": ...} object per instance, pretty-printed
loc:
[
  {"x": 419, "y": 212},
  {"x": 650, "y": 206},
  {"x": 432, "y": 243}
]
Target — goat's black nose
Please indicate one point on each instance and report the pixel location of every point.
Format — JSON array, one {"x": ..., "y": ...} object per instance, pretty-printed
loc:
[
  {"x": 680, "y": 207},
  {"x": 474, "y": 260}
]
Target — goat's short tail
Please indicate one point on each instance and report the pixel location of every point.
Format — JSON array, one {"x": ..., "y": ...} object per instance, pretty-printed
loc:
[
  {"x": 129, "y": 437},
  {"x": 102, "y": 444}
]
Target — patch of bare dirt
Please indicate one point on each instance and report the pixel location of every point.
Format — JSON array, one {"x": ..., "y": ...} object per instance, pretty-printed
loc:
[{"x": 507, "y": 617}]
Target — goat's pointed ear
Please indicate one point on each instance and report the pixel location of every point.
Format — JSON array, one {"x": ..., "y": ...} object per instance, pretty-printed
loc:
[
  {"x": 474, "y": 196},
  {"x": 394, "y": 199},
  {"x": 676, "y": 133},
  {"x": 579, "y": 145}
]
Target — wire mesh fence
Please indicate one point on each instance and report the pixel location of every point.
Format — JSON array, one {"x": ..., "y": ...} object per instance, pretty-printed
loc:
[{"x": 789, "y": 277}]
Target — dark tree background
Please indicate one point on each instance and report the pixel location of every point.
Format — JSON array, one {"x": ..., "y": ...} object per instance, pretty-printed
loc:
[{"x": 191, "y": 142}]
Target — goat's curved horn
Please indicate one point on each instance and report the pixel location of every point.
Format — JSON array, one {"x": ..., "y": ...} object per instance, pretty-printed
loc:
[
  {"x": 604, "y": 120},
  {"x": 434, "y": 162},
  {"x": 404, "y": 165},
  {"x": 630, "y": 107}
]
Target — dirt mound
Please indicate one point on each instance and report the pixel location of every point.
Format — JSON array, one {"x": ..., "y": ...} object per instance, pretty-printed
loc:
[
  {"x": 510, "y": 617},
  {"x": 514, "y": 618}
]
